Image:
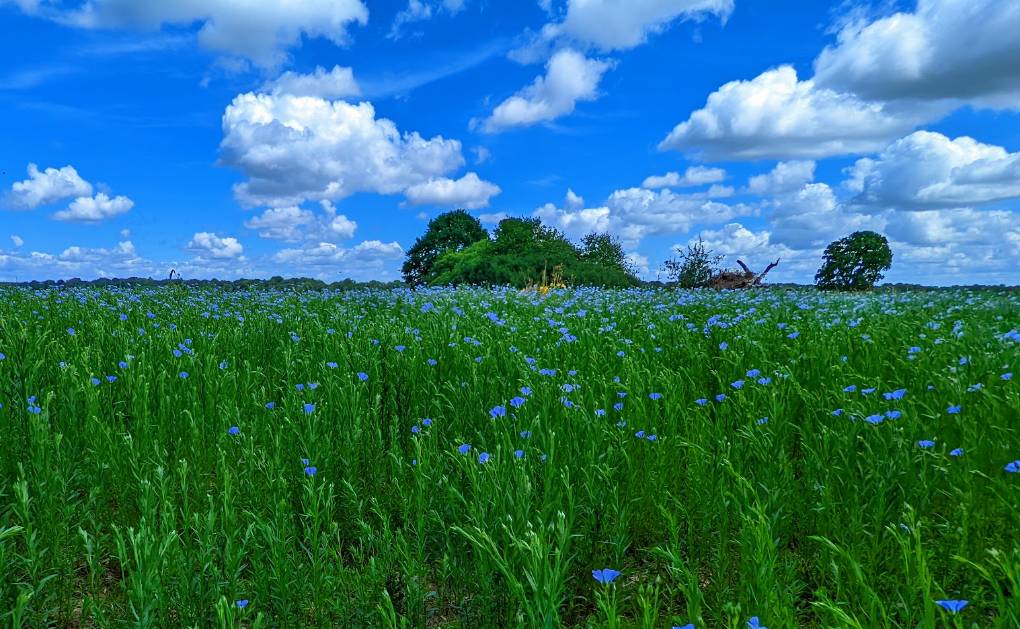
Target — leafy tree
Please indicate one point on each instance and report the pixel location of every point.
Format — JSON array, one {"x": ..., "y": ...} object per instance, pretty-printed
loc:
[
  {"x": 605, "y": 250},
  {"x": 694, "y": 267},
  {"x": 855, "y": 262},
  {"x": 451, "y": 231}
]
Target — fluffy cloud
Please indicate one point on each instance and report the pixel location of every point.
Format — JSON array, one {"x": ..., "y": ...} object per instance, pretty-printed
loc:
[
  {"x": 965, "y": 226},
  {"x": 94, "y": 209},
  {"x": 927, "y": 170},
  {"x": 294, "y": 224},
  {"x": 693, "y": 176},
  {"x": 336, "y": 83},
  {"x": 123, "y": 255},
  {"x": 573, "y": 219},
  {"x": 207, "y": 245},
  {"x": 812, "y": 217},
  {"x": 779, "y": 117},
  {"x": 623, "y": 24},
  {"x": 259, "y": 30},
  {"x": 17, "y": 240},
  {"x": 46, "y": 186},
  {"x": 785, "y": 177},
  {"x": 570, "y": 77},
  {"x": 468, "y": 192},
  {"x": 367, "y": 260},
  {"x": 294, "y": 149},
  {"x": 419, "y": 10},
  {"x": 945, "y": 49}
]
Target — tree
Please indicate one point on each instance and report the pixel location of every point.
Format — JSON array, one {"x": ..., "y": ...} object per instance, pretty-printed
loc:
[
  {"x": 693, "y": 268},
  {"x": 451, "y": 231},
  {"x": 855, "y": 262},
  {"x": 605, "y": 250}
]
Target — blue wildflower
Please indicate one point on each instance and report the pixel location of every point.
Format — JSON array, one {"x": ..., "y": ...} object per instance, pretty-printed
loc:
[
  {"x": 605, "y": 576},
  {"x": 362, "y": 376},
  {"x": 1006, "y": 376},
  {"x": 953, "y": 410},
  {"x": 651, "y": 437},
  {"x": 600, "y": 412},
  {"x": 95, "y": 381},
  {"x": 954, "y": 606},
  {"x": 525, "y": 434},
  {"x": 654, "y": 396},
  {"x": 497, "y": 411},
  {"x": 432, "y": 362},
  {"x": 122, "y": 365},
  {"x": 241, "y": 604},
  {"x": 837, "y": 412},
  {"x": 464, "y": 448},
  {"x": 956, "y": 452},
  {"x": 517, "y": 402},
  {"x": 233, "y": 430},
  {"x": 309, "y": 408},
  {"x": 332, "y": 365},
  {"x": 483, "y": 457},
  {"x": 737, "y": 384},
  {"x": 763, "y": 380},
  {"x": 701, "y": 401},
  {"x": 720, "y": 397},
  {"x": 763, "y": 420},
  {"x": 525, "y": 391},
  {"x": 926, "y": 443},
  {"x": 426, "y": 422},
  {"x": 618, "y": 406},
  {"x": 270, "y": 405},
  {"x": 868, "y": 391},
  {"x": 875, "y": 419},
  {"x": 310, "y": 470},
  {"x": 894, "y": 414},
  {"x": 299, "y": 387},
  {"x": 895, "y": 395},
  {"x": 754, "y": 623},
  {"x": 1013, "y": 467},
  {"x": 753, "y": 373},
  {"x": 183, "y": 375},
  {"x": 850, "y": 389},
  {"x": 71, "y": 331},
  {"x": 519, "y": 454},
  {"x": 415, "y": 429},
  {"x": 639, "y": 434}
]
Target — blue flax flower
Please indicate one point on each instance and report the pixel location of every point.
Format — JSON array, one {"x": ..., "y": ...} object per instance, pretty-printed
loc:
[
  {"x": 464, "y": 448},
  {"x": 954, "y": 606},
  {"x": 483, "y": 457},
  {"x": 310, "y": 470},
  {"x": 362, "y": 376},
  {"x": 956, "y": 452},
  {"x": 241, "y": 604},
  {"x": 1013, "y": 467},
  {"x": 309, "y": 408},
  {"x": 926, "y": 443},
  {"x": 233, "y": 430},
  {"x": 953, "y": 410},
  {"x": 605, "y": 576}
]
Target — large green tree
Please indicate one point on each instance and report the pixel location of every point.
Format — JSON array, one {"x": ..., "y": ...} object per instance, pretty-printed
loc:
[
  {"x": 605, "y": 250},
  {"x": 855, "y": 262},
  {"x": 451, "y": 231}
]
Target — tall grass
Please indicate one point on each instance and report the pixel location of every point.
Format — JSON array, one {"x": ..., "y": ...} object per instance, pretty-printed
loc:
[{"x": 186, "y": 457}]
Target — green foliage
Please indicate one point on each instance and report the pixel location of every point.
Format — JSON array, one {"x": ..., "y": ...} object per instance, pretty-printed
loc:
[
  {"x": 693, "y": 268},
  {"x": 605, "y": 250},
  {"x": 523, "y": 248},
  {"x": 451, "y": 231},
  {"x": 855, "y": 262}
]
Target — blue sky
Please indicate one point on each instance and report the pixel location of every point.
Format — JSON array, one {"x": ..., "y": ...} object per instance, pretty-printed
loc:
[{"x": 229, "y": 138}]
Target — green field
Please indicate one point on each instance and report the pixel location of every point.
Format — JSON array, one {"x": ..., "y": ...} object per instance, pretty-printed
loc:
[{"x": 191, "y": 457}]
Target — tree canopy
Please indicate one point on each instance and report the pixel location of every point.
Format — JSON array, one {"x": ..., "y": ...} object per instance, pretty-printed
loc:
[
  {"x": 855, "y": 262},
  {"x": 522, "y": 251},
  {"x": 447, "y": 232}
]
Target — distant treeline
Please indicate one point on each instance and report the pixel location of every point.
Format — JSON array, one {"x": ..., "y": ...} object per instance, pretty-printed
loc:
[{"x": 276, "y": 282}]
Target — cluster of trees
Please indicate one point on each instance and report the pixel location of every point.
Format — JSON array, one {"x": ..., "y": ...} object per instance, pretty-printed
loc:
[{"x": 456, "y": 249}]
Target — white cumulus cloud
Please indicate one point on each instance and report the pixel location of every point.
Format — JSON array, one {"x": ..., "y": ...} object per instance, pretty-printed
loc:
[
  {"x": 693, "y": 176},
  {"x": 927, "y": 170},
  {"x": 624, "y": 24},
  {"x": 469, "y": 192},
  {"x": 294, "y": 149},
  {"x": 46, "y": 186},
  {"x": 967, "y": 50},
  {"x": 330, "y": 85},
  {"x": 209, "y": 245},
  {"x": 259, "y": 30},
  {"x": 94, "y": 209},
  {"x": 570, "y": 77},
  {"x": 785, "y": 177},
  {"x": 777, "y": 116}
]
